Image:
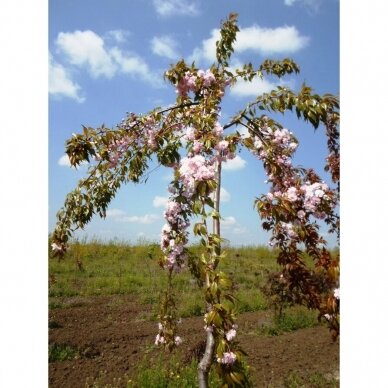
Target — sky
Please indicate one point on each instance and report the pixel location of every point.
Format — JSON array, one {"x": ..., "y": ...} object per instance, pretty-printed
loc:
[{"x": 107, "y": 58}]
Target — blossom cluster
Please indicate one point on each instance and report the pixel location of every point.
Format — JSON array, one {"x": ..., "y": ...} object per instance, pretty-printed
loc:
[
  {"x": 135, "y": 136},
  {"x": 231, "y": 334},
  {"x": 191, "y": 170},
  {"x": 193, "y": 82},
  {"x": 282, "y": 141},
  {"x": 116, "y": 149},
  {"x": 334, "y": 314},
  {"x": 288, "y": 229},
  {"x": 308, "y": 198},
  {"x": 161, "y": 340},
  {"x": 174, "y": 235},
  {"x": 275, "y": 147},
  {"x": 228, "y": 358},
  {"x": 195, "y": 169},
  {"x": 58, "y": 248}
]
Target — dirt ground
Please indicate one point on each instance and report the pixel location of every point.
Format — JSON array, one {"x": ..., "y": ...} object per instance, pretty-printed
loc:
[{"x": 114, "y": 333}]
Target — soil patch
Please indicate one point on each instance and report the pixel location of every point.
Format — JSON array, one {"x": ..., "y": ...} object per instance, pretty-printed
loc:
[{"x": 111, "y": 335}]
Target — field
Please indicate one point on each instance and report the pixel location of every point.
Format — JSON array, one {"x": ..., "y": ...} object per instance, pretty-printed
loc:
[{"x": 103, "y": 306}]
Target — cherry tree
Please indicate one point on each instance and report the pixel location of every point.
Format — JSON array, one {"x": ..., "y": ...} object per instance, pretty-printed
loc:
[{"x": 189, "y": 138}]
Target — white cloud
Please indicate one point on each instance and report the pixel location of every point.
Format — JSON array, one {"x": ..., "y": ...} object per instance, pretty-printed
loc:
[
  {"x": 114, "y": 213},
  {"x": 120, "y": 216},
  {"x": 176, "y": 7},
  {"x": 239, "y": 229},
  {"x": 232, "y": 227},
  {"x": 160, "y": 201},
  {"x": 234, "y": 164},
  {"x": 146, "y": 219},
  {"x": 60, "y": 83},
  {"x": 65, "y": 161},
  {"x": 86, "y": 48},
  {"x": 135, "y": 66},
  {"x": 228, "y": 221},
  {"x": 286, "y": 39},
  {"x": 207, "y": 51},
  {"x": 164, "y": 46},
  {"x": 224, "y": 195},
  {"x": 120, "y": 36},
  {"x": 312, "y": 5},
  {"x": 243, "y": 131},
  {"x": 254, "y": 88}
]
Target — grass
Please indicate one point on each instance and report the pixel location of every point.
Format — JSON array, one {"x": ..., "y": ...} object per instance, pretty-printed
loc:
[
  {"x": 62, "y": 352},
  {"x": 314, "y": 380},
  {"x": 294, "y": 318},
  {"x": 96, "y": 268},
  {"x": 164, "y": 372}
]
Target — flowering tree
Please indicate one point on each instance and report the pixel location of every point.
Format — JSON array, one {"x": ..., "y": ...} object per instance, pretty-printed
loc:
[{"x": 188, "y": 138}]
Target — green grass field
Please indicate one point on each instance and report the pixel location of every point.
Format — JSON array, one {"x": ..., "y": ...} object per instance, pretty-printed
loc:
[{"x": 96, "y": 268}]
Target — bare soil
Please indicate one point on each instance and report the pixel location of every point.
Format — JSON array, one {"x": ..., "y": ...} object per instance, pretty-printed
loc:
[{"x": 113, "y": 334}]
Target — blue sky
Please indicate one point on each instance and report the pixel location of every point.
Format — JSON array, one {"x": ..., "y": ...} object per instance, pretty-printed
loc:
[{"x": 108, "y": 57}]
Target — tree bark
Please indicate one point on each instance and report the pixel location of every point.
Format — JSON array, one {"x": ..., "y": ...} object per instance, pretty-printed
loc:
[{"x": 207, "y": 359}]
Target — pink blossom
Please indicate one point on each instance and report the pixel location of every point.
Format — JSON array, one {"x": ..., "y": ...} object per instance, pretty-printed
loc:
[
  {"x": 228, "y": 358},
  {"x": 159, "y": 339},
  {"x": 113, "y": 159},
  {"x": 166, "y": 228},
  {"x": 258, "y": 143},
  {"x": 301, "y": 214},
  {"x": 231, "y": 334},
  {"x": 197, "y": 147},
  {"x": 57, "y": 248},
  {"x": 172, "y": 210},
  {"x": 204, "y": 173},
  {"x": 186, "y": 84},
  {"x": 288, "y": 229},
  {"x": 218, "y": 130},
  {"x": 337, "y": 293},
  {"x": 190, "y": 134},
  {"x": 178, "y": 340},
  {"x": 194, "y": 169},
  {"x": 222, "y": 145},
  {"x": 151, "y": 139},
  {"x": 292, "y": 195},
  {"x": 208, "y": 77}
]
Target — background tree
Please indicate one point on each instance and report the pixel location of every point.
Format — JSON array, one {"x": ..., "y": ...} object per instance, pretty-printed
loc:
[{"x": 188, "y": 138}]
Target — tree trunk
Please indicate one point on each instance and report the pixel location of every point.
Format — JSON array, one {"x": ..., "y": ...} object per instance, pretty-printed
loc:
[{"x": 207, "y": 359}]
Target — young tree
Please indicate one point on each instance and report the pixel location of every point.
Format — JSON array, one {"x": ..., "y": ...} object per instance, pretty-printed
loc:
[{"x": 188, "y": 138}]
